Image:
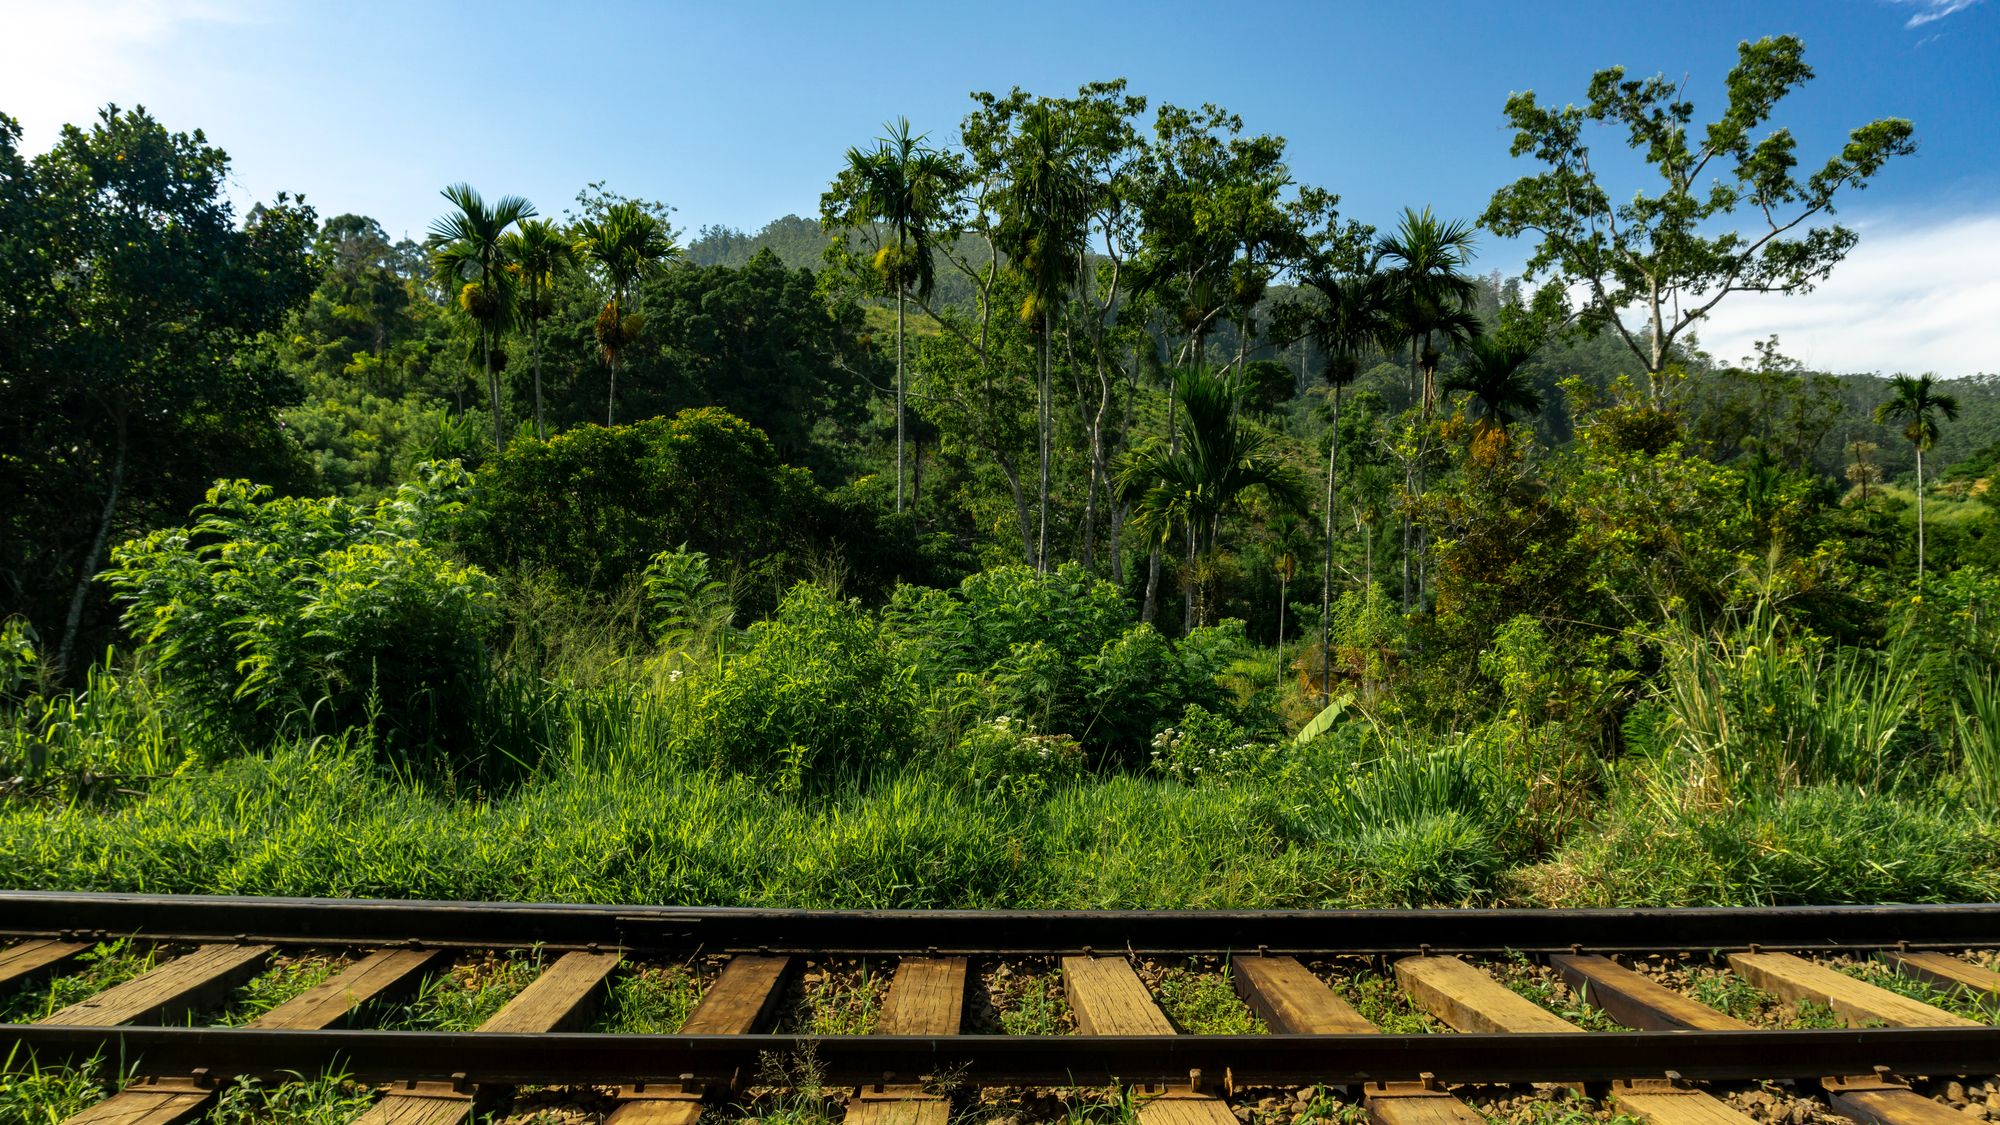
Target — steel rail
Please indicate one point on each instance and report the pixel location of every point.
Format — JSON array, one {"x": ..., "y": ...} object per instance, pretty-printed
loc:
[
  {"x": 1005, "y": 1060},
  {"x": 643, "y": 929}
]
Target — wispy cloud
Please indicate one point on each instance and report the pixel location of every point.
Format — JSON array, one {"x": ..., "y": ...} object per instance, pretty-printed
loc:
[
  {"x": 1931, "y": 11},
  {"x": 1909, "y": 298},
  {"x": 60, "y": 61}
]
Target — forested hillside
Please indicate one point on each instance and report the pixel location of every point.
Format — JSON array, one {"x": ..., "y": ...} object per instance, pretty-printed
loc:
[{"x": 1077, "y": 511}]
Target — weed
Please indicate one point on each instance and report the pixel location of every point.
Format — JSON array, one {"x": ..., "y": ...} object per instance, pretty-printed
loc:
[
  {"x": 1380, "y": 1000},
  {"x": 1962, "y": 1002},
  {"x": 109, "y": 963},
  {"x": 651, "y": 1001},
  {"x": 1202, "y": 1002},
  {"x": 31, "y": 1094},
  {"x": 467, "y": 996},
  {"x": 326, "y": 1100},
  {"x": 1542, "y": 985},
  {"x": 274, "y": 986}
]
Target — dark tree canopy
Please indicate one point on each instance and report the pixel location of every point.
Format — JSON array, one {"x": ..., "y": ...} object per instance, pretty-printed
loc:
[{"x": 132, "y": 375}]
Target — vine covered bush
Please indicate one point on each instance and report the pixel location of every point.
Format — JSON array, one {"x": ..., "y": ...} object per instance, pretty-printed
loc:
[{"x": 286, "y": 615}]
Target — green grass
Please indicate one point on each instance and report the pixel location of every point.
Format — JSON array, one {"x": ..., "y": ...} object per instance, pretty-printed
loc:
[
  {"x": 1732, "y": 995},
  {"x": 105, "y": 965},
  {"x": 468, "y": 995},
  {"x": 655, "y": 1000},
  {"x": 1381, "y": 1001},
  {"x": 842, "y": 1003},
  {"x": 31, "y": 1094},
  {"x": 1031, "y": 1004},
  {"x": 1203, "y": 1002},
  {"x": 326, "y": 1100},
  {"x": 1540, "y": 984},
  {"x": 274, "y": 986}
]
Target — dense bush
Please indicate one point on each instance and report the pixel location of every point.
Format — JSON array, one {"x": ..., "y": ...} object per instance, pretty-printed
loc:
[
  {"x": 814, "y": 697},
  {"x": 1062, "y": 651},
  {"x": 594, "y": 504},
  {"x": 273, "y": 614}
]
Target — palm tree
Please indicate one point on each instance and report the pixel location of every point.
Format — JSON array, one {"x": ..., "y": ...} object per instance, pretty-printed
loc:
[
  {"x": 1046, "y": 215},
  {"x": 1433, "y": 301},
  {"x": 1492, "y": 375},
  {"x": 1916, "y": 402},
  {"x": 469, "y": 256},
  {"x": 905, "y": 186},
  {"x": 1217, "y": 465},
  {"x": 626, "y": 242},
  {"x": 540, "y": 252},
  {"x": 1355, "y": 318}
]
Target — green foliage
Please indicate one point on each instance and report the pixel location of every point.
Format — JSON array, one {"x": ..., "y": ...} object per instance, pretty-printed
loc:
[
  {"x": 133, "y": 370},
  {"x": 1809, "y": 845},
  {"x": 1204, "y": 1003},
  {"x": 814, "y": 698},
  {"x": 329, "y": 1099},
  {"x": 1760, "y": 710},
  {"x": 1061, "y": 651},
  {"x": 1007, "y": 760},
  {"x": 685, "y": 602},
  {"x": 1668, "y": 251},
  {"x": 274, "y": 614},
  {"x": 592, "y": 505},
  {"x": 31, "y": 1094},
  {"x": 1208, "y": 749}
]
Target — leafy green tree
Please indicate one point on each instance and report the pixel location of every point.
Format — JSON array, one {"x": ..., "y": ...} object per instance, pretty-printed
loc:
[
  {"x": 471, "y": 259},
  {"x": 133, "y": 306},
  {"x": 593, "y": 504},
  {"x": 1666, "y": 252},
  {"x": 280, "y": 614},
  {"x": 1493, "y": 376},
  {"x": 1218, "y": 464},
  {"x": 907, "y": 187},
  {"x": 624, "y": 242},
  {"x": 540, "y": 252},
  {"x": 1045, "y": 219},
  {"x": 1916, "y": 402},
  {"x": 761, "y": 342}
]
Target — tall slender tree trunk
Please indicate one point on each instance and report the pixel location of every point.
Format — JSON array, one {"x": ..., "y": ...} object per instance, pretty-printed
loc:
[
  {"x": 1920, "y": 518},
  {"x": 899, "y": 373},
  {"x": 541, "y": 424},
  {"x": 1281, "y": 633},
  {"x": 617, "y": 349},
  {"x": 1150, "y": 610},
  {"x": 1326, "y": 564},
  {"x": 493, "y": 391},
  {"x": 1043, "y": 424},
  {"x": 87, "y": 566},
  {"x": 1021, "y": 515}
]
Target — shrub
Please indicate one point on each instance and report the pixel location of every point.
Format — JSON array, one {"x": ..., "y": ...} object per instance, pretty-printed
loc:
[
  {"x": 595, "y": 503},
  {"x": 275, "y": 614},
  {"x": 1206, "y": 748},
  {"x": 1062, "y": 651},
  {"x": 814, "y": 696},
  {"x": 685, "y": 603},
  {"x": 1006, "y": 759}
]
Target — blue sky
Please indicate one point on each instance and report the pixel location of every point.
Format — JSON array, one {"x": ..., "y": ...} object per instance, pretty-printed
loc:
[{"x": 738, "y": 113}]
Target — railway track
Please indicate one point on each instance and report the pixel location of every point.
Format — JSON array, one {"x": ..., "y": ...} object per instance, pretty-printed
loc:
[{"x": 1677, "y": 1064}]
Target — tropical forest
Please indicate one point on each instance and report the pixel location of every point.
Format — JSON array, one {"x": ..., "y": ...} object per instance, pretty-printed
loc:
[{"x": 1078, "y": 508}]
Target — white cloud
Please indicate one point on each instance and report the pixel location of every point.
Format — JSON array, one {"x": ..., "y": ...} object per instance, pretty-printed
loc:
[
  {"x": 1910, "y": 297},
  {"x": 60, "y": 60},
  {"x": 1930, "y": 11}
]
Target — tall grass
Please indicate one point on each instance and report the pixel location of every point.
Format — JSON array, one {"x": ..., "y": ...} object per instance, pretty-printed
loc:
[{"x": 1756, "y": 710}]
